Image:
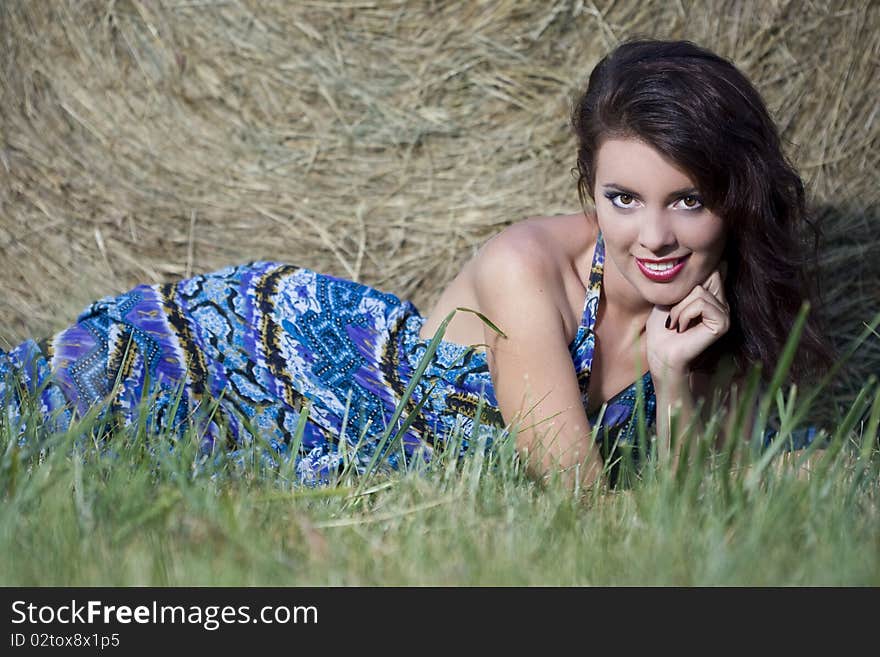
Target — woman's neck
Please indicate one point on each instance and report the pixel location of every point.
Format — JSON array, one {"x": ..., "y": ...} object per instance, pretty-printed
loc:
[{"x": 622, "y": 306}]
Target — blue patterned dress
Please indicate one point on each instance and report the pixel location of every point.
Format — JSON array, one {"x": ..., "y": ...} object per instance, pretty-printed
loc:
[{"x": 241, "y": 352}]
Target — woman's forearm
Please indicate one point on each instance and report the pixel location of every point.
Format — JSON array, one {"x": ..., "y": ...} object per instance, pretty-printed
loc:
[{"x": 674, "y": 396}]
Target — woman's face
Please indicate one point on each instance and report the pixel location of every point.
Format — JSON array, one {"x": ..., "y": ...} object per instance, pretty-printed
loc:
[{"x": 648, "y": 208}]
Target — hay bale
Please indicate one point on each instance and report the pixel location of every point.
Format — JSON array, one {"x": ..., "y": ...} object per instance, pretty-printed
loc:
[{"x": 380, "y": 141}]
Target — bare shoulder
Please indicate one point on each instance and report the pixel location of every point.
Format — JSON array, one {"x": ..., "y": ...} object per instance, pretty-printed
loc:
[
  {"x": 516, "y": 274},
  {"x": 542, "y": 244},
  {"x": 532, "y": 255},
  {"x": 513, "y": 273},
  {"x": 549, "y": 255},
  {"x": 521, "y": 244}
]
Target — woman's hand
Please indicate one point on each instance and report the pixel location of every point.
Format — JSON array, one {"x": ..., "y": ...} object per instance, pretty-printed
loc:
[{"x": 695, "y": 323}]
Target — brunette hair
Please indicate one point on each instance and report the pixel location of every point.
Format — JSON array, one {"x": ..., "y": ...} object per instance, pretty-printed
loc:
[{"x": 699, "y": 111}]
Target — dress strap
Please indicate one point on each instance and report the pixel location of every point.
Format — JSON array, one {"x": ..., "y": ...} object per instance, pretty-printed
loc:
[
  {"x": 585, "y": 341},
  {"x": 594, "y": 285}
]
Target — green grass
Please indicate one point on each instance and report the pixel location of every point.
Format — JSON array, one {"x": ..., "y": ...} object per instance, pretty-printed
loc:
[
  {"x": 134, "y": 508},
  {"x": 81, "y": 517}
]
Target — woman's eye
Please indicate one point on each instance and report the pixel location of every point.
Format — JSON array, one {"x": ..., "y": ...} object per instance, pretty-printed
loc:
[
  {"x": 622, "y": 200},
  {"x": 689, "y": 203}
]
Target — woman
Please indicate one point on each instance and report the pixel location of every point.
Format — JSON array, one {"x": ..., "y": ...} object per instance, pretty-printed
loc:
[{"x": 689, "y": 261}]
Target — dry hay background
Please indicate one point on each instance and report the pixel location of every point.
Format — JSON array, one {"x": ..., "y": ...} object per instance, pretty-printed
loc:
[{"x": 379, "y": 141}]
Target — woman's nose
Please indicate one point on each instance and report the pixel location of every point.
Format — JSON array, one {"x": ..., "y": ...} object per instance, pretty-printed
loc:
[{"x": 656, "y": 235}]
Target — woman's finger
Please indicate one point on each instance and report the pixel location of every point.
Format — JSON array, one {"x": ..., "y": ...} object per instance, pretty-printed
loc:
[
  {"x": 675, "y": 311},
  {"x": 715, "y": 284},
  {"x": 710, "y": 313},
  {"x": 678, "y": 319}
]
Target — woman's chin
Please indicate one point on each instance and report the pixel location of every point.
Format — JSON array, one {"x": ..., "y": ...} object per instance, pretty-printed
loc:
[{"x": 670, "y": 295}]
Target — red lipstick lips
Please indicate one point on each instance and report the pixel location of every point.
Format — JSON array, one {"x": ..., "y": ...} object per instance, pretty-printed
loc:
[{"x": 662, "y": 276}]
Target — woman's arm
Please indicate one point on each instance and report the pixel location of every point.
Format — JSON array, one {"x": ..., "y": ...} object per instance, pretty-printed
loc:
[
  {"x": 684, "y": 392},
  {"x": 675, "y": 394},
  {"x": 672, "y": 344},
  {"x": 532, "y": 370}
]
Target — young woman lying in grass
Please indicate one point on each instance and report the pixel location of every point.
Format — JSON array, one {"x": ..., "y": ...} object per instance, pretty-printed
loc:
[{"x": 688, "y": 272}]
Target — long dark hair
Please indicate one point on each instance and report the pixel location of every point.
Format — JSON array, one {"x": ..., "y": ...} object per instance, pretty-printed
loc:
[{"x": 702, "y": 113}]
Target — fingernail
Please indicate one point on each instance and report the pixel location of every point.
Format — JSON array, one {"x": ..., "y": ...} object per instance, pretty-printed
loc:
[{"x": 667, "y": 321}]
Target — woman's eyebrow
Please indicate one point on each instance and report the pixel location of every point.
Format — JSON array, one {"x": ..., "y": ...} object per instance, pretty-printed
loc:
[{"x": 687, "y": 191}]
